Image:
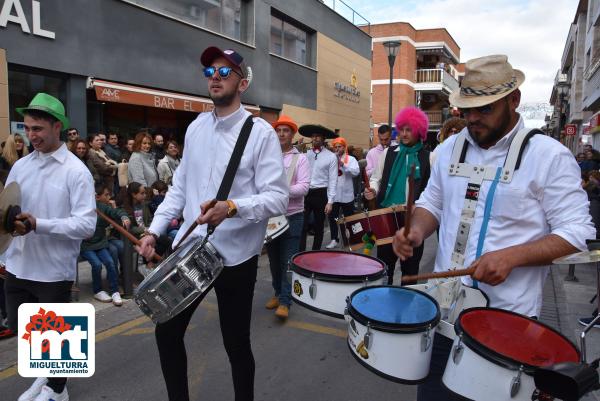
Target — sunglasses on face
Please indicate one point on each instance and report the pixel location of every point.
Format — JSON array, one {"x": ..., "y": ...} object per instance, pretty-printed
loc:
[
  {"x": 224, "y": 72},
  {"x": 487, "y": 109}
]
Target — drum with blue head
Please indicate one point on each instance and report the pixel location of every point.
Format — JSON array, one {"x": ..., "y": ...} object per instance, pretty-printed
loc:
[{"x": 391, "y": 330}]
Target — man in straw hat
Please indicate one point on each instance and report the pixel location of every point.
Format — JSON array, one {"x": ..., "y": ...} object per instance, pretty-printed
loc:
[
  {"x": 57, "y": 197},
  {"x": 323, "y": 180},
  {"x": 282, "y": 248},
  {"x": 517, "y": 217},
  {"x": 258, "y": 191}
]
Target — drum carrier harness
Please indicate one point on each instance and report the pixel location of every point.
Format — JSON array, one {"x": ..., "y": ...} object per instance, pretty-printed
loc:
[{"x": 476, "y": 174}]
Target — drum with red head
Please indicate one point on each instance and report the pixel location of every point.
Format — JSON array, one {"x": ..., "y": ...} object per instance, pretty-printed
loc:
[
  {"x": 322, "y": 280},
  {"x": 383, "y": 223},
  {"x": 496, "y": 353}
]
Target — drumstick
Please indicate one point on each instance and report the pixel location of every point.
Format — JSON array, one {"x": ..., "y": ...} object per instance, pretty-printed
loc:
[
  {"x": 195, "y": 224},
  {"x": 126, "y": 233},
  {"x": 371, "y": 204},
  {"x": 410, "y": 201},
  {"x": 449, "y": 273}
]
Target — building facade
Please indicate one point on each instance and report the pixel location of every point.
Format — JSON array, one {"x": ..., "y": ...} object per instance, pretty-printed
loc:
[
  {"x": 576, "y": 91},
  {"x": 425, "y": 72},
  {"x": 122, "y": 65}
]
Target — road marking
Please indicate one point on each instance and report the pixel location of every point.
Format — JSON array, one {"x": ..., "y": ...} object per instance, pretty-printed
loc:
[
  {"x": 316, "y": 328},
  {"x": 121, "y": 328},
  {"x": 6, "y": 373}
]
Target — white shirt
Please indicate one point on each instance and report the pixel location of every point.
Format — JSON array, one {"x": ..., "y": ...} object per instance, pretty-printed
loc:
[
  {"x": 544, "y": 197},
  {"x": 377, "y": 175},
  {"x": 344, "y": 191},
  {"x": 259, "y": 189},
  {"x": 323, "y": 171},
  {"x": 58, "y": 190}
]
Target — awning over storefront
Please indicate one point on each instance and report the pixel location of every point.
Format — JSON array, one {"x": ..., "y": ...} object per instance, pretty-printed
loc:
[{"x": 108, "y": 91}]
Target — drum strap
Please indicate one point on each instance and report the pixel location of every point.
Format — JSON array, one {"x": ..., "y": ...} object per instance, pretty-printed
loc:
[
  {"x": 476, "y": 174},
  {"x": 234, "y": 161},
  {"x": 292, "y": 168}
]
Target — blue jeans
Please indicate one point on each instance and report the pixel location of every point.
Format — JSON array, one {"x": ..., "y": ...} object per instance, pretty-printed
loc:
[
  {"x": 280, "y": 251},
  {"x": 115, "y": 247},
  {"x": 97, "y": 259}
]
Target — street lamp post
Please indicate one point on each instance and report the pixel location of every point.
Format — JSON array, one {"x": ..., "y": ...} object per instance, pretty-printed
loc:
[{"x": 392, "y": 47}]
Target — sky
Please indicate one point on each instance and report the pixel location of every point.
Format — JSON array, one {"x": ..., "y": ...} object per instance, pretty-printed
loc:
[{"x": 532, "y": 33}]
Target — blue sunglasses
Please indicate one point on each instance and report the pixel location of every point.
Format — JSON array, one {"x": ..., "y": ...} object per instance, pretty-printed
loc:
[{"x": 224, "y": 72}]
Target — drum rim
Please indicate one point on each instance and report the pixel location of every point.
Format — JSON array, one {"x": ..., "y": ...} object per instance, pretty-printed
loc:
[
  {"x": 337, "y": 278},
  {"x": 494, "y": 356},
  {"x": 318, "y": 310},
  {"x": 380, "y": 373},
  {"x": 393, "y": 327},
  {"x": 372, "y": 213}
]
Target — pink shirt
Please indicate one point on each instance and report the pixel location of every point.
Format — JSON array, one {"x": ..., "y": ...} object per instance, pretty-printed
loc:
[
  {"x": 300, "y": 181},
  {"x": 373, "y": 157}
]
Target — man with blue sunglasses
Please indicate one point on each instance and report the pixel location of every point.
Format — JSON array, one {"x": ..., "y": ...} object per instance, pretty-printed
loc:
[{"x": 259, "y": 191}]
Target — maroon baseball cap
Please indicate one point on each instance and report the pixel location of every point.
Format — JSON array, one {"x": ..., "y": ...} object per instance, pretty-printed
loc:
[{"x": 211, "y": 53}]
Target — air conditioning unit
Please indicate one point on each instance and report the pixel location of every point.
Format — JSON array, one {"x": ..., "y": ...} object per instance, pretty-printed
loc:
[
  {"x": 429, "y": 98},
  {"x": 194, "y": 11}
]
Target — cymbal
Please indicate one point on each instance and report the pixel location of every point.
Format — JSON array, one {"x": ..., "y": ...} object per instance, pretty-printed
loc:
[
  {"x": 580, "y": 257},
  {"x": 9, "y": 197}
]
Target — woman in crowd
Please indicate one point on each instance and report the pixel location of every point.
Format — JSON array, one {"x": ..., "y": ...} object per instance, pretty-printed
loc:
[
  {"x": 141, "y": 163},
  {"x": 14, "y": 149},
  {"x": 104, "y": 165},
  {"x": 168, "y": 164},
  {"x": 81, "y": 149}
]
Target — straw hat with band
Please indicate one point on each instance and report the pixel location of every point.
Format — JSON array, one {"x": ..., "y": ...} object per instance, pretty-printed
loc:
[
  {"x": 309, "y": 130},
  {"x": 285, "y": 120},
  {"x": 487, "y": 79},
  {"x": 48, "y": 104}
]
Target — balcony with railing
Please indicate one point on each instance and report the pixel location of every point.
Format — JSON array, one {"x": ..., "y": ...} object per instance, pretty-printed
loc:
[
  {"x": 435, "y": 118},
  {"x": 347, "y": 12},
  {"x": 435, "y": 79}
]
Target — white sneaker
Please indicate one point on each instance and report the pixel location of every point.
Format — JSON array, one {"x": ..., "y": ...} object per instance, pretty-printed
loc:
[
  {"x": 332, "y": 244},
  {"x": 47, "y": 394},
  {"x": 116, "y": 299},
  {"x": 34, "y": 390},
  {"x": 102, "y": 296}
]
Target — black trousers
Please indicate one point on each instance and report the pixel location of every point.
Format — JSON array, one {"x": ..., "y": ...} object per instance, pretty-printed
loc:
[
  {"x": 347, "y": 210},
  {"x": 409, "y": 266},
  {"x": 20, "y": 291},
  {"x": 234, "y": 289},
  {"x": 314, "y": 202}
]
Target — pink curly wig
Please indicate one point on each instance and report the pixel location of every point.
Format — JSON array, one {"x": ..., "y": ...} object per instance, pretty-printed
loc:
[{"x": 415, "y": 119}]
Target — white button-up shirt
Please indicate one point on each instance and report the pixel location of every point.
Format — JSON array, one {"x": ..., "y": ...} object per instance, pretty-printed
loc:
[
  {"x": 58, "y": 190},
  {"x": 323, "y": 171},
  {"x": 344, "y": 191},
  {"x": 259, "y": 189},
  {"x": 544, "y": 197}
]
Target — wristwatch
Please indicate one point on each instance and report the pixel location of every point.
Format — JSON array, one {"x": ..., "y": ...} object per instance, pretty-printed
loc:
[
  {"x": 152, "y": 234},
  {"x": 232, "y": 208}
]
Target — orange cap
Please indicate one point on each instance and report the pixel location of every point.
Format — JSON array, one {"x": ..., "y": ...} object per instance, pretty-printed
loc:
[{"x": 285, "y": 120}]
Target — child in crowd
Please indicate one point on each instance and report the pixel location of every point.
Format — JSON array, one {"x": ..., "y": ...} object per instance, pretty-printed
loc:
[
  {"x": 159, "y": 191},
  {"x": 96, "y": 251}
]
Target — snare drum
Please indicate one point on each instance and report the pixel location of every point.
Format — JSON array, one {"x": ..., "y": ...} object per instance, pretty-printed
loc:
[
  {"x": 496, "y": 353},
  {"x": 391, "y": 330},
  {"x": 322, "y": 280},
  {"x": 275, "y": 227},
  {"x": 453, "y": 297},
  {"x": 178, "y": 281},
  {"x": 382, "y": 222}
]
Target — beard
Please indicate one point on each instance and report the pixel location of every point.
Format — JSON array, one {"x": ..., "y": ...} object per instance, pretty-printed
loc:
[
  {"x": 490, "y": 135},
  {"x": 223, "y": 100}
]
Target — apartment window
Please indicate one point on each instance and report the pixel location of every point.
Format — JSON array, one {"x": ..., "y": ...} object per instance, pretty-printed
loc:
[
  {"x": 231, "y": 18},
  {"x": 289, "y": 39}
]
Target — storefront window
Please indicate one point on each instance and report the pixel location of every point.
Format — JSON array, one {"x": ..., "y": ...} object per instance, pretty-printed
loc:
[
  {"x": 288, "y": 40},
  {"x": 23, "y": 86},
  {"x": 232, "y": 18}
]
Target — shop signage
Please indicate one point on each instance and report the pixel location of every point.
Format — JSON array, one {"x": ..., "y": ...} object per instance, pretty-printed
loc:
[
  {"x": 348, "y": 92},
  {"x": 570, "y": 129},
  {"x": 12, "y": 11}
]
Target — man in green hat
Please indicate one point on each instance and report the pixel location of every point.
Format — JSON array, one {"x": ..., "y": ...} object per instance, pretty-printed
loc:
[{"x": 58, "y": 203}]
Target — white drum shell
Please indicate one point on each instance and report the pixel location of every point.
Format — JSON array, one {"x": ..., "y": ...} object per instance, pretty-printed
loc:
[
  {"x": 477, "y": 378},
  {"x": 275, "y": 227},
  {"x": 396, "y": 356},
  {"x": 468, "y": 298},
  {"x": 330, "y": 297}
]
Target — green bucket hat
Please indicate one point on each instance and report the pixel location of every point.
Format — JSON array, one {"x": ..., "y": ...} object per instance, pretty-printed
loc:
[{"x": 48, "y": 104}]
